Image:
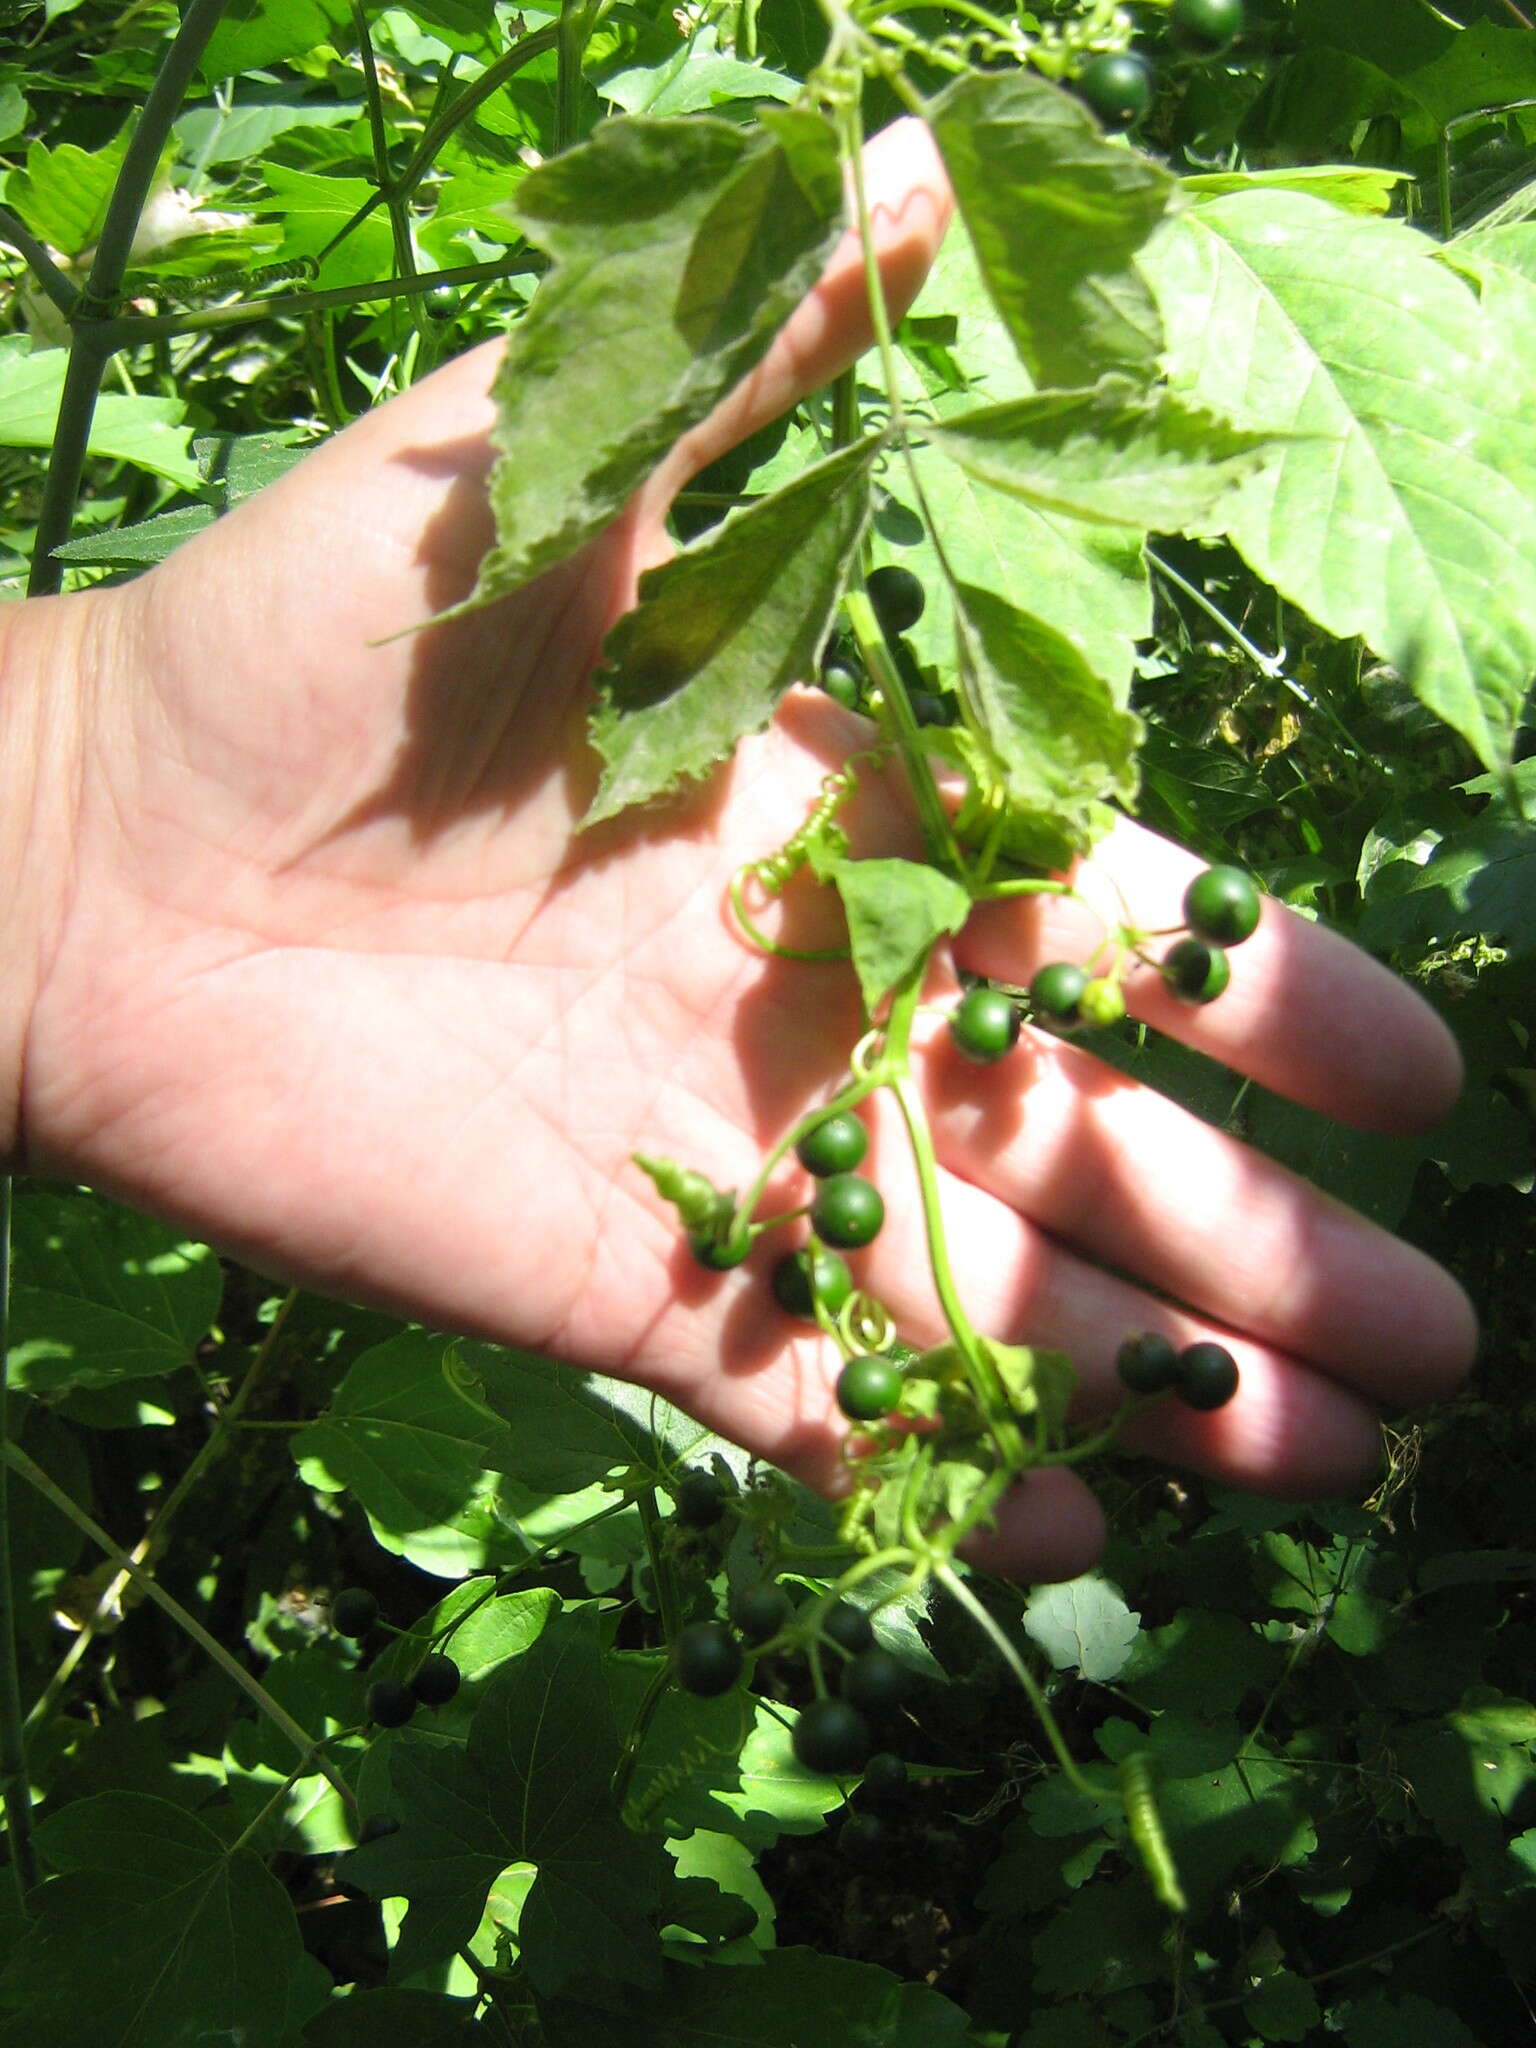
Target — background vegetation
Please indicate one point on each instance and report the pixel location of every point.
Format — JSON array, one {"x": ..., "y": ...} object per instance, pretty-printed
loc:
[{"x": 1338, "y": 1697}]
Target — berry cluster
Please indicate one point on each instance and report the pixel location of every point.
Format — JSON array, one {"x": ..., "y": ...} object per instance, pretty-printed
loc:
[
  {"x": 1118, "y": 86},
  {"x": 392, "y": 1701},
  {"x": 833, "y": 1734}
]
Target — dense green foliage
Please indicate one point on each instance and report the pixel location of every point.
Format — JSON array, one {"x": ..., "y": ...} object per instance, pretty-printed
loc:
[{"x": 1239, "y": 472}]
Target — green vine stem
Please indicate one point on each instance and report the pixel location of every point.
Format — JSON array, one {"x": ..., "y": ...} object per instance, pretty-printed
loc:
[
  {"x": 399, "y": 216},
  {"x": 51, "y": 280},
  {"x": 13, "y": 1745},
  {"x": 90, "y": 349},
  {"x": 952, "y": 1582},
  {"x": 279, "y": 1716},
  {"x": 148, "y": 1550}
]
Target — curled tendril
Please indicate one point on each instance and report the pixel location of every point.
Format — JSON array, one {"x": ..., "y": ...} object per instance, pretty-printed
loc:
[
  {"x": 864, "y": 1324},
  {"x": 776, "y": 870}
]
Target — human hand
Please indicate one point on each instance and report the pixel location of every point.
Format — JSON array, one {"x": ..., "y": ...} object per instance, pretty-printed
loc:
[{"x": 330, "y": 977}]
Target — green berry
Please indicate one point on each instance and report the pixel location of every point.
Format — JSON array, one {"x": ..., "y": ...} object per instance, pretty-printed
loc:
[
  {"x": 898, "y": 599},
  {"x": 1207, "y": 1376},
  {"x": 436, "y": 1680},
  {"x": 699, "y": 1500},
  {"x": 849, "y": 1627},
  {"x": 1102, "y": 1003},
  {"x": 1207, "y": 25},
  {"x": 1221, "y": 906},
  {"x": 707, "y": 1659},
  {"x": 832, "y": 1738},
  {"x": 929, "y": 708},
  {"x": 984, "y": 1025},
  {"x": 876, "y": 1682},
  {"x": 390, "y": 1703},
  {"x": 885, "y": 1778},
  {"x": 761, "y": 1612},
  {"x": 848, "y": 1211},
  {"x": 1118, "y": 88},
  {"x": 441, "y": 302},
  {"x": 843, "y": 685},
  {"x": 1056, "y": 993},
  {"x": 795, "y": 1277},
  {"x": 864, "y": 1839},
  {"x": 1147, "y": 1364},
  {"x": 1195, "y": 972},
  {"x": 836, "y": 1145},
  {"x": 354, "y": 1611},
  {"x": 868, "y": 1388}
]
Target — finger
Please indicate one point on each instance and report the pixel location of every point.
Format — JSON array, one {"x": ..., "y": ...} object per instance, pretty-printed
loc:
[
  {"x": 910, "y": 205},
  {"x": 1291, "y": 1431},
  {"x": 1307, "y": 1014},
  {"x": 1125, "y": 1176}
]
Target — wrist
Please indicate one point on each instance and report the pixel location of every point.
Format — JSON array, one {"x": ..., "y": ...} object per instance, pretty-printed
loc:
[{"x": 45, "y": 661}]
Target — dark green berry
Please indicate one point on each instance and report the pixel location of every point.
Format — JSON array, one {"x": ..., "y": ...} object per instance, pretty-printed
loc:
[
  {"x": 1207, "y": 25},
  {"x": 868, "y": 1387},
  {"x": 1118, "y": 87},
  {"x": 898, "y": 599},
  {"x": 390, "y": 1703},
  {"x": 836, "y": 1145},
  {"x": 707, "y": 1658},
  {"x": 1147, "y": 1364},
  {"x": 436, "y": 1679},
  {"x": 699, "y": 1500},
  {"x": 1207, "y": 1376},
  {"x": 984, "y": 1025},
  {"x": 929, "y": 708},
  {"x": 848, "y": 1211},
  {"x": 354, "y": 1611},
  {"x": 864, "y": 1839},
  {"x": 832, "y": 1738},
  {"x": 1195, "y": 972},
  {"x": 876, "y": 1682},
  {"x": 885, "y": 1778},
  {"x": 794, "y": 1277},
  {"x": 441, "y": 302},
  {"x": 849, "y": 1627},
  {"x": 1056, "y": 993},
  {"x": 1221, "y": 906},
  {"x": 761, "y": 1612}
]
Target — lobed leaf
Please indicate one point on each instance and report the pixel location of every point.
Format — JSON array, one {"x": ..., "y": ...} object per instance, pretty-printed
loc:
[
  {"x": 722, "y": 631},
  {"x": 680, "y": 248},
  {"x": 896, "y": 909}
]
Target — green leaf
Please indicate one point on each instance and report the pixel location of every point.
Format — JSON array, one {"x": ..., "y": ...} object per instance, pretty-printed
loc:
[
  {"x": 395, "y": 2019},
  {"x": 1084, "y": 1625},
  {"x": 1056, "y": 214},
  {"x": 691, "y": 76},
  {"x": 146, "y": 432},
  {"x": 187, "y": 1943},
  {"x": 1381, "y": 2021},
  {"x": 680, "y": 248},
  {"x": 591, "y": 1912},
  {"x": 315, "y": 206},
  {"x": 251, "y": 34},
  {"x": 797, "y": 1995},
  {"x": 1284, "y": 2008},
  {"x": 101, "y": 1294},
  {"x": 896, "y": 909},
  {"x": 1062, "y": 744},
  {"x": 149, "y": 540},
  {"x": 63, "y": 192},
  {"x": 1408, "y": 514},
  {"x": 722, "y": 631},
  {"x": 214, "y": 134},
  {"x": 1113, "y": 454},
  {"x": 452, "y": 1841},
  {"x": 1358, "y": 188},
  {"x": 544, "y": 1737}
]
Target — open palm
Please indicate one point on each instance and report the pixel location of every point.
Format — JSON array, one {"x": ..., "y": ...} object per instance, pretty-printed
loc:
[{"x": 338, "y": 985}]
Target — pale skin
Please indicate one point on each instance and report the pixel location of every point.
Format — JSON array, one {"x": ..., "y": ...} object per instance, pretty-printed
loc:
[{"x": 307, "y": 954}]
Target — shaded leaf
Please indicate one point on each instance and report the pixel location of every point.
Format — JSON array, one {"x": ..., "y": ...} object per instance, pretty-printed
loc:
[
  {"x": 1113, "y": 454},
  {"x": 896, "y": 909},
  {"x": 1084, "y": 1625},
  {"x": 722, "y": 631},
  {"x": 680, "y": 247},
  {"x": 1056, "y": 215}
]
